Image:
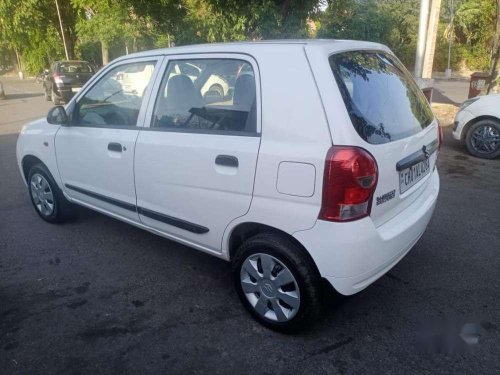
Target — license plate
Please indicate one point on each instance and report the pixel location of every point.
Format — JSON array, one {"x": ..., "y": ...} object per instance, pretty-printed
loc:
[
  {"x": 410, "y": 176},
  {"x": 75, "y": 89}
]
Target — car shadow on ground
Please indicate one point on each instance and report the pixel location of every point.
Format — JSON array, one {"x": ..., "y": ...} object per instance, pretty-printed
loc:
[
  {"x": 439, "y": 97},
  {"x": 21, "y": 96}
]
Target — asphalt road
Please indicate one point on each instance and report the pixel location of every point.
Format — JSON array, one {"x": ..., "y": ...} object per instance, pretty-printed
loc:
[
  {"x": 450, "y": 91},
  {"x": 100, "y": 296}
]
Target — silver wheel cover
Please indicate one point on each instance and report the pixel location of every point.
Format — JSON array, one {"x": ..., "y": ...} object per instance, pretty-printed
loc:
[
  {"x": 270, "y": 287},
  {"x": 42, "y": 195}
]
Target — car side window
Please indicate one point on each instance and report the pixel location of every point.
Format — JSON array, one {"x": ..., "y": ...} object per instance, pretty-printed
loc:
[
  {"x": 116, "y": 99},
  {"x": 208, "y": 96}
]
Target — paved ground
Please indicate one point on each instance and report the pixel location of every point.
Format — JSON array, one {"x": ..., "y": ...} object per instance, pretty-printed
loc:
[
  {"x": 99, "y": 296},
  {"x": 450, "y": 91}
]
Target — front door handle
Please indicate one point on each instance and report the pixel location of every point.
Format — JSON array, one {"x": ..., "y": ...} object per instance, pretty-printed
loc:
[
  {"x": 114, "y": 146},
  {"x": 226, "y": 160}
]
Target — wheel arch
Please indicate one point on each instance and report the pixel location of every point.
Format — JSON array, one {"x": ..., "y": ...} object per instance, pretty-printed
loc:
[
  {"x": 29, "y": 161},
  {"x": 467, "y": 126},
  {"x": 243, "y": 231}
]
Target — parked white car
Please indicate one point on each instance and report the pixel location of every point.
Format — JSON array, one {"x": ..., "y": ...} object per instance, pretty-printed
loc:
[
  {"x": 335, "y": 181},
  {"x": 477, "y": 125}
]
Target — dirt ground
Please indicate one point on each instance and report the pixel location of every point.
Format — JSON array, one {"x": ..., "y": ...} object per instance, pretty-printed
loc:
[{"x": 445, "y": 113}]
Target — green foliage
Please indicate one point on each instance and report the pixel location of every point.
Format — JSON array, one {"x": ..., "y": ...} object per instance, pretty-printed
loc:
[
  {"x": 395, "y": 23},
  {"x": 474, "y": 32},
  {"x": 391, "y": 22},
  {"x": 27, "y": 27},
  {"x": 31, "y": 27}
]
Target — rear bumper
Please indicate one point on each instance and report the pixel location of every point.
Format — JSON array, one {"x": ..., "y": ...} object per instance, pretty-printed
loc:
[
  {"x": 64, "y": 92},
  {"x": 353, "y": 255}
]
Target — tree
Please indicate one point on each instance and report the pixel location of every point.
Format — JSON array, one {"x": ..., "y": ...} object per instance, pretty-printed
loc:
[
  {"x": 474, "y": 32},
  {"x": 496, "y": 50},
  {"x": 201, "y": 21},
  {"x": 27, "y": 28},
  {"x": 109, "y": 22},
  {"x": 391, "y": 22}
]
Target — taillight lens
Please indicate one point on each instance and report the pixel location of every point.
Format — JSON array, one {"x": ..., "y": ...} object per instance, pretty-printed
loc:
[
  {"x": 349, "y": 181},
  {"x": 57, "y": 79}
]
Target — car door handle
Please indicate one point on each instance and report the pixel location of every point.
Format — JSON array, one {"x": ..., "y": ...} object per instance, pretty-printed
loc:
[
  {"x": 226, "y": 160},
  {"x": 114, "y": 146}
]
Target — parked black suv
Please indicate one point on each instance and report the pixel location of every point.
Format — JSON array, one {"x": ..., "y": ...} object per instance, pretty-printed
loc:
[{"x": 65, "y": 78}]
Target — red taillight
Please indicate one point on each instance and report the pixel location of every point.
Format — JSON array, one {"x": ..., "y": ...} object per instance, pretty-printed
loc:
[
  {"x": 57, "y": 79},
  {"x": 349, "y": 181}
]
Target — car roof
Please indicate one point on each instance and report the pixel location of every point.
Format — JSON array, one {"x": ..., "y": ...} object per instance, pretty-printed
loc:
[{"x": 254, "y": 46}]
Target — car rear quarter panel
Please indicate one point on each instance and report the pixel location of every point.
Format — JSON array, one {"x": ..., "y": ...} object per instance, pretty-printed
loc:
[{"x": 294, "y": 129}]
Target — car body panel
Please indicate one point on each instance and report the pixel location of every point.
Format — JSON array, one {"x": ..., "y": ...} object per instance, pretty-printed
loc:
[
  {"x": 488, "y": 105},
  {"x": 37, "y": 139},
  {"x": 353, "y": 255}
]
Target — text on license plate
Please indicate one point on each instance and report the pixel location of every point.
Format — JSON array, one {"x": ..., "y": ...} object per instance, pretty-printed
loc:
[
  {"x": 75, "y": 89},
  {"x": 410, "y": 176}
]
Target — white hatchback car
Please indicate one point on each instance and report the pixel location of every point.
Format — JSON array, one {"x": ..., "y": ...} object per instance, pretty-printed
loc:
[
  {"x": 477, "y": 124},
  {"x": 320, "y": 165}
]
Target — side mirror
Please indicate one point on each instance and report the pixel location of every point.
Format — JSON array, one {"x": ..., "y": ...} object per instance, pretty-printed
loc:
[{"x": 57, "y": 116}]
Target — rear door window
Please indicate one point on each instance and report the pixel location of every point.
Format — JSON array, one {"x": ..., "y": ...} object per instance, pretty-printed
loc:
[
  {"x": 383, "y": 101},
  {"x": 208, "y": 96}
]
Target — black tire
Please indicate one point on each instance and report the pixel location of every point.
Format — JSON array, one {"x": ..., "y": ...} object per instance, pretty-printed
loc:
[
  {"x": 55, "y": 99},
  {"x": 470, "y": 142},
  {"x": 63, "y": 210},
  {"x": 300, "y": 265}
]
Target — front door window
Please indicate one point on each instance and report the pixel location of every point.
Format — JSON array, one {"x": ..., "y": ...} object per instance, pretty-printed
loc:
[{"x": 115, "y": 100}]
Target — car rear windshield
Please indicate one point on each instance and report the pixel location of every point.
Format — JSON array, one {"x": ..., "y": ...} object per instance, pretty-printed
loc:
[
  {"x": 383, "y": 101},
  {"x": 75, "y": 67}
]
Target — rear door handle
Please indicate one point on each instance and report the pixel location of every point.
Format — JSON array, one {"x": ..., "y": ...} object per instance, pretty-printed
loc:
[
  {"x": 114, "y": 146},
  {"x": 227, "y": 160}
]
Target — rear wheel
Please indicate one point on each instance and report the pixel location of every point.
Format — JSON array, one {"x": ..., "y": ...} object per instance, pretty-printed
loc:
[
  {"x": 46, "y": 197},
  {"x": 483, "y": 139},
  {"x": 276, "y": 282}
]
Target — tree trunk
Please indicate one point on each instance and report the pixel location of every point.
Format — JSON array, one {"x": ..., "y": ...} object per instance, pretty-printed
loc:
[
  {"x": 496, "y": 52},
  {"x": 104, "y": 52},
  {"x": 19, "y": 64}
]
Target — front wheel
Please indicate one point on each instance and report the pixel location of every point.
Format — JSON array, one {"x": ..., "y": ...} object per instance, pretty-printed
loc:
[
  {"x": 277, "y": 282},
  {"x": 46, "y": 197},
  {"x": 483, "y": 139}
]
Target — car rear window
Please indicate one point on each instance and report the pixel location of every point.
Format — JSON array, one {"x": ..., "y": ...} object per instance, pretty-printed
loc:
[
  {"x": 75, "y": 67},
  {"x": 383, "y": 101}
]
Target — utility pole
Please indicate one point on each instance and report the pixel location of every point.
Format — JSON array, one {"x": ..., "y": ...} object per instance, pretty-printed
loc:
[
  {"x": 62, "y": 30},
  {"x": 430, "y": 45},
  {"x": 422, "y": 35}
]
